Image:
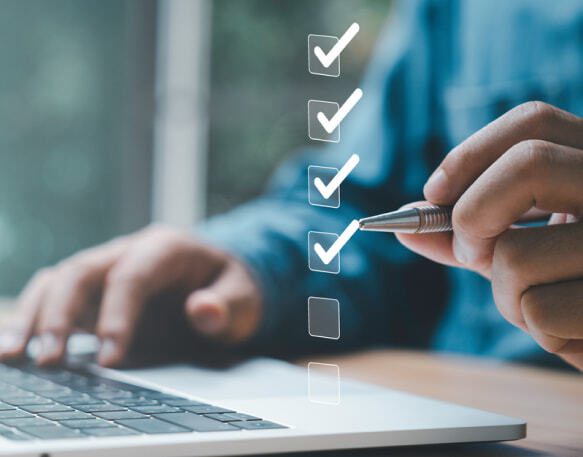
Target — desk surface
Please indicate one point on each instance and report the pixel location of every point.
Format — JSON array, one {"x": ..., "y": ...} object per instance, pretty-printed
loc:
[{"x": 550, "y": 401}]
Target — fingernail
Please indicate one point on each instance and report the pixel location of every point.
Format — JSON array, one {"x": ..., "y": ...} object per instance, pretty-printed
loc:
[
  {"x": 50, "y": 345},
  {"x": 108, "y": 350},
  {"x": 209, "y": 323},
  {"x": 459, "y": 251},
  {"x": 437, "y": 186},
  {"x": 10, "y": 342}
]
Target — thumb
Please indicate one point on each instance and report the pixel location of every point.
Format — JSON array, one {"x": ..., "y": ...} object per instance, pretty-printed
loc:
[
  {"x": 228, "y": 308},
  {"x": 434, "y": 246},
  {"x": 208, "y": 311}
]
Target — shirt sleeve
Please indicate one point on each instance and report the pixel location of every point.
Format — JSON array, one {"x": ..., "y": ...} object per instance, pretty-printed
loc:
[{"x": 377, "y": 286}]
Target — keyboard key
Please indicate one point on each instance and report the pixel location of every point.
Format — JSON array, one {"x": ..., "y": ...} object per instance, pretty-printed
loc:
[
  {"x": 68, "y": 415},
  {"x": 54, "y": 393},
  {"x": 152, "y": 426},
  {"x": 142, "y": 392},
  {"x": 4, "y": 429},
  {"x": 257, "y": 425},
  {"x": 129, "y": 402},
  {"x": 117, "y": 415},
  {"x": 87, "y": 423},
  {"x": 155, "y": 409},
  {"x": 184, "y": 402},
  {"x": 113, "y": 395},
  {"x": 32, "y": 400},
  {"x": 232, "y": 417},
  {"x": 53, "y": 432},
  {"x": 99, "y": 408},
  {"x": 196, "y": 422},
  {"x": 207, "y": 409},
  {"x": 54, "y": 408},
  {"x": 160, "y": 396},
  {"x": 13, "y": 436},
  {"x": 25, "y": 422},
  {"x": 5, "y": 407},
  {"x": 14, "y": 414},
  {"x": 80, "y": 400},
  {"x": 110, "y": 431}
]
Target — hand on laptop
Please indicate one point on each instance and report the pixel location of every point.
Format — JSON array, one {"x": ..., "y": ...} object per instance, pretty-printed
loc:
[
  {"x": 105, "y": 289},
  {"x": 528, "y": 161}
]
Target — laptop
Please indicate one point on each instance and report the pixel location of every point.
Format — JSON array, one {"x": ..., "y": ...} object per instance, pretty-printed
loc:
[{"x": 261, "y": 406}]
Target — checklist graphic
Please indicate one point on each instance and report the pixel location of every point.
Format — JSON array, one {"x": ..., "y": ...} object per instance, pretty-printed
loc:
[
  {"x": 324, "y": 182},
  {"x": 324, "y": 190},
  {"x": 315, "y": 64},
  {"x": 319, "y": 194},
  {"x": 324, "y": 383},
  {"x": 324, "y": 51},
  {"x": 327, "y": 255},
  {"x": 324, "y": 248},
  {"x": 318, "y": 244},
  {"x": 316, "y": 130},
  {"x": 324, "y": 118},
  {"x": 324, "y": 318}
]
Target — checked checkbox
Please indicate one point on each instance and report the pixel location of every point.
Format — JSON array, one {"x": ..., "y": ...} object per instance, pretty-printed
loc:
[
  {"x": 324, "y": 182},
  {"x": 324, "y": 248},
  {"x": 316, "y": 130},
  {"x": 324, "y": 118},
  {"x": 324, "y": 51}
]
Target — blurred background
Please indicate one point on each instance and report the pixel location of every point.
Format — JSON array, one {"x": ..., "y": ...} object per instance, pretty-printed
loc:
[{"x": 116, "y": 113}]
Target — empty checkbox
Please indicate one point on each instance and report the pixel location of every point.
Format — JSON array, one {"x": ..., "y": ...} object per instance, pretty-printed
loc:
[{"x": 324, "y": 318}]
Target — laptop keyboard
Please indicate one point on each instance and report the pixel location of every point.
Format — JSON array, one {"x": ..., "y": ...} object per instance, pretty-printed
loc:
[{"x": 47, "y": 404}]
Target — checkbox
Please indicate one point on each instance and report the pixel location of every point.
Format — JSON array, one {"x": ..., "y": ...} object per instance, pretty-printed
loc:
[
  {"x": 315, "y": 262},
  {"x": 316, "y": 130},
  {"x": 315, "y": 197},
  {"x": 324, "y": 318},
  {"x": 315, "y": 66},
  {"x": 324, "y": 383}
]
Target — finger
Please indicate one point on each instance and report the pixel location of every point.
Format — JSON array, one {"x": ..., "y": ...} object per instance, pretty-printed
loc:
[
  {"x": 534, "y": 215},
  {"x": 208, "y": 311},
  {"x": 556, "y": 310},
  {"x": 534, "y": 256},
  {"x": 554, "y": 316},
  {"x": 434, "y": 246},
  {"x": 127, "y": 288},
  {"x": 155, "y": 262},
  {"x": 72, "y": 292},
  {"x": 15, "y": 339},
  {"x": 438, "y": 246},
  {"x": 532, "y": 174},
  {"x": 575, "y": 359},
  {"x": 530, "y": 121},
  {"x": 227, "y": 308}
]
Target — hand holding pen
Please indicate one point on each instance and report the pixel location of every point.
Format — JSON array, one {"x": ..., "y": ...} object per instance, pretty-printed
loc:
[{"x": 529, "y": 160}]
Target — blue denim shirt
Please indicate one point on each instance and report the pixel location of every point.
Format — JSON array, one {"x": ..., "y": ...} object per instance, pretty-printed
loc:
[{"x": 443, "y": 69}]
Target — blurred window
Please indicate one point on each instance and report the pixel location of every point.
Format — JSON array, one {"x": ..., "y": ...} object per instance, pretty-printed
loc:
[
  {"x": 75, "y": 133},
  {"x": 79, "y": 102}
]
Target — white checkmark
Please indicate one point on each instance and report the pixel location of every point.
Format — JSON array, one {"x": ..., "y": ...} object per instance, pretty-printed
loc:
[
  {"x": 327, "y": 59},
  {"x": 330, "y": 188},
  {"x": 327, "y": 256},
  {"x": 330, "y": 125}
]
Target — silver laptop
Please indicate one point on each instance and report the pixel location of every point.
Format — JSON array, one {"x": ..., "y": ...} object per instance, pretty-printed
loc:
[{"x": 258, "y": 407}]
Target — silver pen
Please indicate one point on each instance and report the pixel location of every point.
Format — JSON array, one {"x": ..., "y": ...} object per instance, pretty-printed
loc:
[{"x": 423, "y": 219}]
